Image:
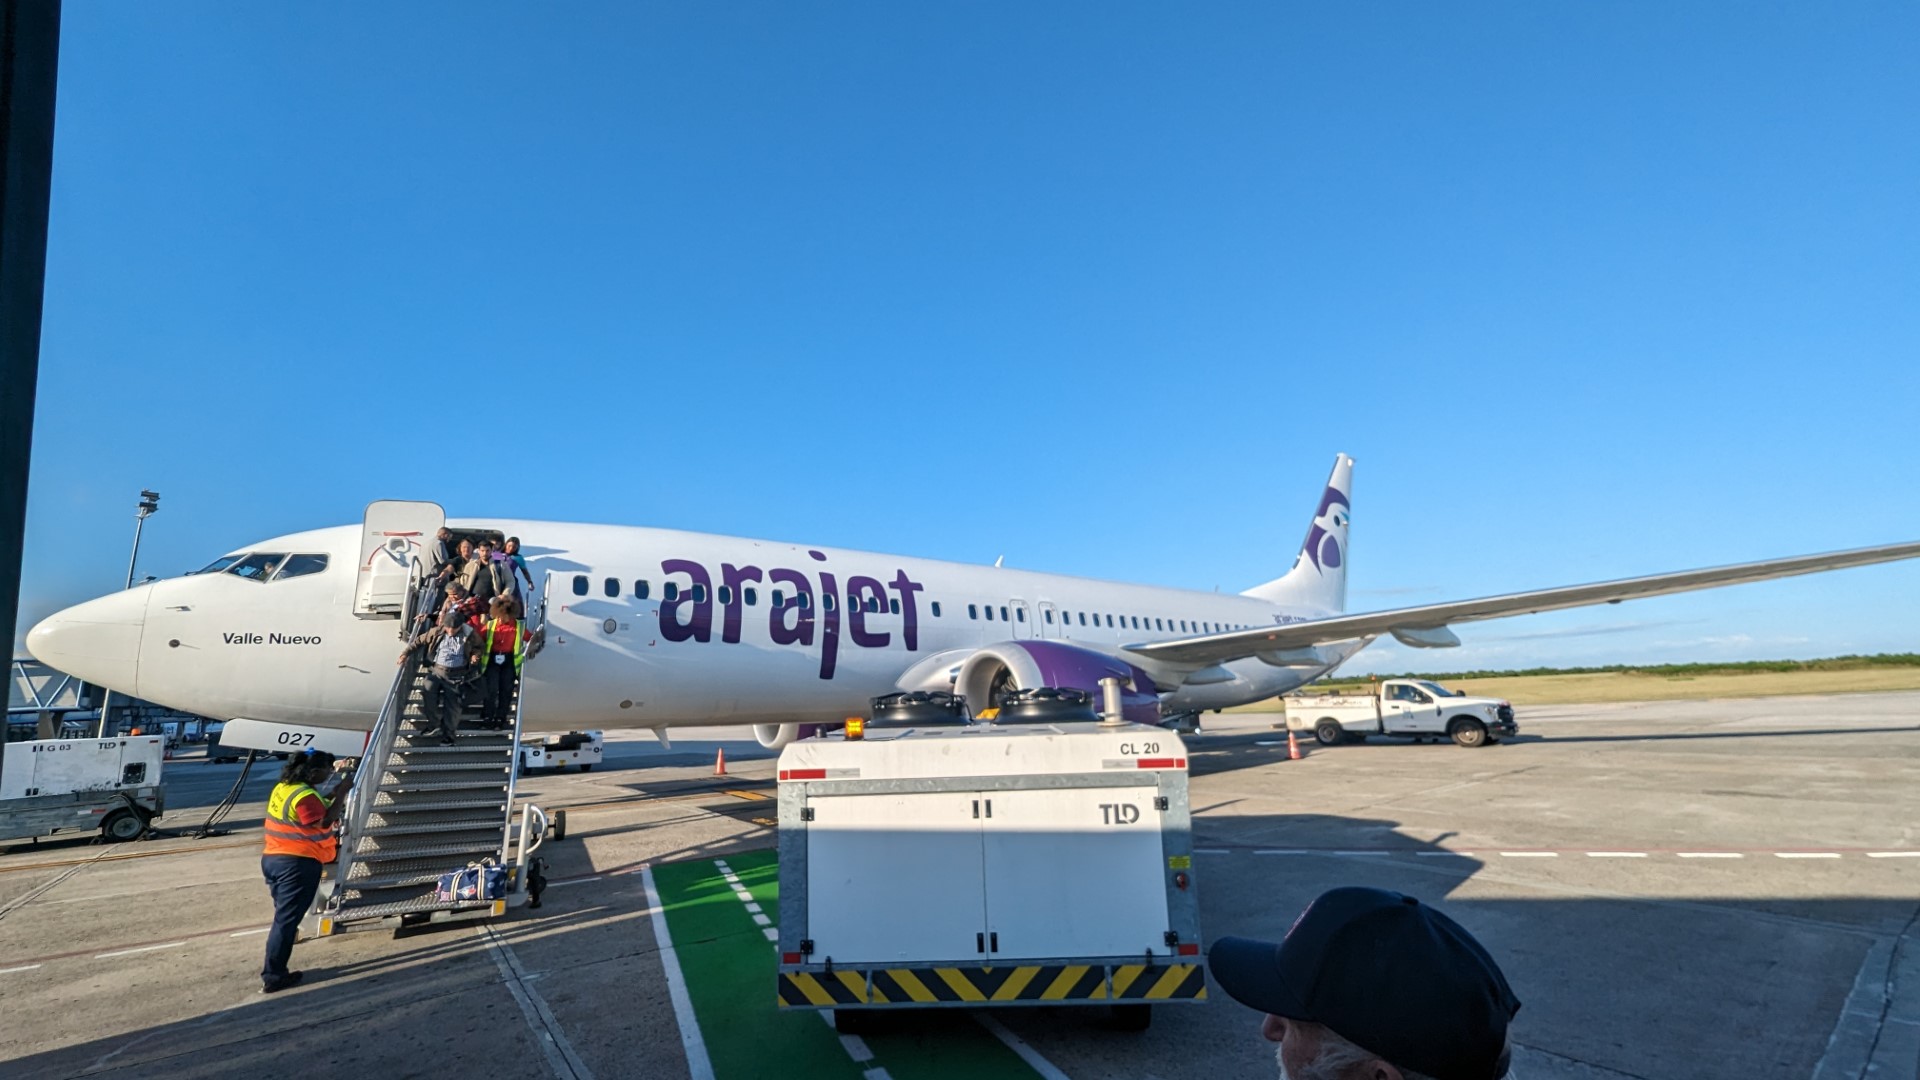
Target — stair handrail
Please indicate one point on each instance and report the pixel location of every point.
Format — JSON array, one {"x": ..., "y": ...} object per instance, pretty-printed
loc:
[
  {"x": 379, "y": 748},
  {"x": 513, "y": 752}
]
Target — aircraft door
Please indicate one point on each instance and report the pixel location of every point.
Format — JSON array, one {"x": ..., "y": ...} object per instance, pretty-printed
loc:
[
  {"x": 1022, "y": 619},
  {"x": 1049, "y": 624},
  {"x": 393, "y": 536}
]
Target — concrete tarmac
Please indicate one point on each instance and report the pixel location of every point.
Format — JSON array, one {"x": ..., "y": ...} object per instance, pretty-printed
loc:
[{"x": 1676, "y": 889}]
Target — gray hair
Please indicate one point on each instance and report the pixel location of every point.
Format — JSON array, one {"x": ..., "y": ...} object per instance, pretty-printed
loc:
[{"x": 1338, "y": 1057}]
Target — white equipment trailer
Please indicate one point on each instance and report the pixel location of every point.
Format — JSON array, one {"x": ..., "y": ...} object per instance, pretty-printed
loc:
[
  {"x": 1044, "y": 864},
  {"x": 1416, "y": 708},
  {"x": 80, "y": 785}
]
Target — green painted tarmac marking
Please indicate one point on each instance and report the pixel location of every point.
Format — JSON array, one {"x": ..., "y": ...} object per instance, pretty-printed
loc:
[{"x": 729, "y": 966}]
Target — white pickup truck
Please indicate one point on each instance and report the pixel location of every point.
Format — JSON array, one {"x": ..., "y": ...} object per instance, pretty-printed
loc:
[{"x": 1416, "y": 708}]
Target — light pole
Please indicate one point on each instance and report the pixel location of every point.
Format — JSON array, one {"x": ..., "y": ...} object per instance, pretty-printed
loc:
[{"x": 149, "y": 505}]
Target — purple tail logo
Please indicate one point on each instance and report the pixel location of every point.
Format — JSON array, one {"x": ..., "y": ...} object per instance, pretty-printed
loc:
[{"x": 1323, "y": 543}]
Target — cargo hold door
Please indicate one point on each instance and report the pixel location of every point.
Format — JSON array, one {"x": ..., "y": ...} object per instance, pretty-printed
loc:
[
  {"x": 1074, "y": 872},
  {"x": 895, "y": 879}
]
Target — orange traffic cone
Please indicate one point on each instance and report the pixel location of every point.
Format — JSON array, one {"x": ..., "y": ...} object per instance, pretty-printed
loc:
[
  {"x": 1293, "y": 746},
  {"x": 720, "y": 762}
]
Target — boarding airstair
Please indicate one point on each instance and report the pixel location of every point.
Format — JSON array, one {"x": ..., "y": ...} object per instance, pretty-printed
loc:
[{"x": 420, "y": 809}]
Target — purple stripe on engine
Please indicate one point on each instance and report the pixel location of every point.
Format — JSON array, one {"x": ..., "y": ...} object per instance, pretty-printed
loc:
[{"x": 1061, "y": 664}]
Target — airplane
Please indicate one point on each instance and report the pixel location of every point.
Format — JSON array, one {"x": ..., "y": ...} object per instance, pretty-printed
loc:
[{"x": 295, "y": 638}]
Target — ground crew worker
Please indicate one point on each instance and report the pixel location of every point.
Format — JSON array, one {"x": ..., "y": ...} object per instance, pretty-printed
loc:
[
  {"x": 505, "y": 651},
  {"x": 299, "y": 841}
]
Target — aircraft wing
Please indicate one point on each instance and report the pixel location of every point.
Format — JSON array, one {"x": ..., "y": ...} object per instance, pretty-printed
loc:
[{"x": 1426, "y": 626}]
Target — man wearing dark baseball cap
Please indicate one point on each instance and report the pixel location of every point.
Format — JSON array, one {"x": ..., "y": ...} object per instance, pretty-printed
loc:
[{"x": 1376, "y": 985}]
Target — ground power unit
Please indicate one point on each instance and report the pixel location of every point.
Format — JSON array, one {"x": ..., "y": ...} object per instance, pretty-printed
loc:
[{"x": 982, "y": 865}]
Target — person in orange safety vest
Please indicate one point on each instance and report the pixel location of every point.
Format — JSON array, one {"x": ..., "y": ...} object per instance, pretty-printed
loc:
[{"x": 299, "y": 841}]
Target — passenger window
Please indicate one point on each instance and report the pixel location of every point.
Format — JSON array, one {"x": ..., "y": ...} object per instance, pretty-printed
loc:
[
  {"x": 670, "y": 591},
  {"x": 1049, "y": 615},
  {"x": 826, "y": 601},
  {"x": 806, "y": 601},
  {"x": 1158, "y": 625},
  {"x": 873, "y": 605},
  {"x": 1020, "y": 614},
  {"x": 1003, "y": 613},
  {"x": 641, "y": 589},
  {"x": 753, "y": 596},
  {"x": 779, "y": 597},
  {"x": 726, "y": 594},
  {"x": 258, "y": 566},
  {"x": 1083, "y": 618},
  {"x": 1109, "y": 622},
  {"x": 579, "y": 584},
  {"x": 611, "y": 587},
  {"x": 973, "y": 611},
  {"x": 936, "y": 609},
  {"x": 893, "y": 605},
  {"x": 301, "y": 566},
  {"x": 699, "y": 594},
  {"x": 989, "y": 612}
]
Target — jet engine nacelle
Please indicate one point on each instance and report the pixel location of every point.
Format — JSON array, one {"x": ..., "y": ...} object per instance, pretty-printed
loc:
[
  {"x": 777, "y": 736},
  {"x": 991, "y": 672}
]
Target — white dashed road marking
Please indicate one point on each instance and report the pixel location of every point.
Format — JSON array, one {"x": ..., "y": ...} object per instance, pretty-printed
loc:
[
  {"x": 141, "y": 949},
  {"x": 22, "y": 967},
  {"x": 1616, "y": 854},
  {"x": 1806, "y": 854},
  {"x": 1711, "y": 855},
  {"x": 1529, "y": 854}
]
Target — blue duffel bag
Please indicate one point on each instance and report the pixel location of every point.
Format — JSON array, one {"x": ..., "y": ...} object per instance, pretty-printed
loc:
[{"x": 484, "y": 880}]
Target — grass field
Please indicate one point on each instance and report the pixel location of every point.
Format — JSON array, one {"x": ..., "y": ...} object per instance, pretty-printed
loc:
[{"x": 1597, "y": 687}]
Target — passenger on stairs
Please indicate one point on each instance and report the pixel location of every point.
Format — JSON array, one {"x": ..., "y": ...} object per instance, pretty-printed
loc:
[
  {"x": 469, "y": 566},
  {"x": 512, "y": 552},
  {"x": 453, "y": 647},
  {"x": 299, "y": 841},
  {"x": 503, "y": 650},
  {"x": 495, "y": 577},
  {"x": 440, "y": 552}
]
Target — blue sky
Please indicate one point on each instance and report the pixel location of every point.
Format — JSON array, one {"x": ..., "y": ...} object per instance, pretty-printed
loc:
[{"x": 1587, "y": 291}]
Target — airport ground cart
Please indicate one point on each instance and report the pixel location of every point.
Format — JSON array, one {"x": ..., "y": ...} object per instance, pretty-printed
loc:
[
  {"x": 79, "y": 785},
  {"x": 983, "y": 865},
  {"x": 582, "y": 748}
]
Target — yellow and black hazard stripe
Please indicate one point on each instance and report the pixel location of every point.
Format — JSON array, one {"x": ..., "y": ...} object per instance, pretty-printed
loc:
[
  {"x": 1038, "y": 983},
  {"x": 1144, "y": 982},
  {"x": 1026, "y": 982},
  {"x": 825, "y": 989}
]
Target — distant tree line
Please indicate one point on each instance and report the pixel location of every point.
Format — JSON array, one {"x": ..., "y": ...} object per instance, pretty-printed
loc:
[{"x": 1740, "y": 667}]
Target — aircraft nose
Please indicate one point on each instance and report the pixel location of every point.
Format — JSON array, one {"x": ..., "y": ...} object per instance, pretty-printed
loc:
[{"x": 98, "y": 641}]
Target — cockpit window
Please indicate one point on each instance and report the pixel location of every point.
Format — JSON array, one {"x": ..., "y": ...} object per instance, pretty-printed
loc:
[
  {"x": 301, "y": 566},
  {"x": 259, "y": 566},
  {"x": 217, "y": 565}
]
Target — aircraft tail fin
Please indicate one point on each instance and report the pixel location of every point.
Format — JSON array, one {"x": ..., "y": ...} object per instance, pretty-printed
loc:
[{"x": 1319, "y": 575}]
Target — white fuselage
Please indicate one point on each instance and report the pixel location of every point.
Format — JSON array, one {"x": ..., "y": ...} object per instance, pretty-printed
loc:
[{"x": 705, "y": 639}]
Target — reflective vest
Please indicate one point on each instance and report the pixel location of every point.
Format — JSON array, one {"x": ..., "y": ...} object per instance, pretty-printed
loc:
[
  {"x": 285, "y": 834},
  {"x": 519, "y": 641}
]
